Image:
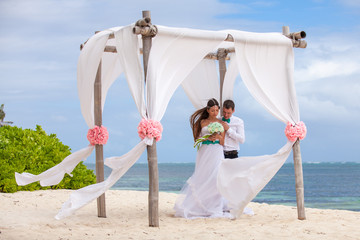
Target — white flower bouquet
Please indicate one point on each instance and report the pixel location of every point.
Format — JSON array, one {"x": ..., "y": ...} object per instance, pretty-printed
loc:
[{"x": 214, "y": 127}]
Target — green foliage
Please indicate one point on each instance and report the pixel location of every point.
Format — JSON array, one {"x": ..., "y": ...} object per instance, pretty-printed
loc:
[{"x": 26, "y": 150}]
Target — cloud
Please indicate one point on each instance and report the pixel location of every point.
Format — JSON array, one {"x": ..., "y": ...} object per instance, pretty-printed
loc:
[
  {"x": 264, "y": 3},
  {"x": 328, "y": 56},
  {"x": 322, "y": 68},
  {"x": 59, "y": 118},
  {"x": 332, "y": 100},
  {"x": 39, "y": 10},
  {"x": 350, "y": 3},
  {"x": 314, "y": 109},
  {"x": 327, "y": 78}
]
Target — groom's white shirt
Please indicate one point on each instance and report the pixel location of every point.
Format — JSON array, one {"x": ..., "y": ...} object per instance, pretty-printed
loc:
[{"x": 235, "y": 135}]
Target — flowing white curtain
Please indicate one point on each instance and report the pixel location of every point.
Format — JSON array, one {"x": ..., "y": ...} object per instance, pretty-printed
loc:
[
  {"x": 128, "y": 57},
  {"x": 241, "y": 179},
  {"x": 231, "y": 73},
  {"x": 128, "y": 53},
  {"x": 265, "y": 62},
  {"x": 174, "y": 54},
  {"x": 204, "y": 76},
  {"x": 88, "y": 63},
  {"x": 266, "y": 65}
]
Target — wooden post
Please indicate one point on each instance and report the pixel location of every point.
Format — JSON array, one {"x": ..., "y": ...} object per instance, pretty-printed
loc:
[
  {"x": 99, "y": 148},
  {"x": 221, "y": 55},
  {"x": 151, "y": 150},
  {"x": 153, "y": 186},
  {"x": 285, "y": 30},
  {"x": 299, "y": 181}
]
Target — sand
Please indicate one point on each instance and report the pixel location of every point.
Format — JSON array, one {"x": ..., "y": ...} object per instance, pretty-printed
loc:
[{"x": 30, "y": 215}]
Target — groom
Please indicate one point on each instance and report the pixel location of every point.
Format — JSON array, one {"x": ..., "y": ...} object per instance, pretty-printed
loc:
[{"x": 234, "y": 128}]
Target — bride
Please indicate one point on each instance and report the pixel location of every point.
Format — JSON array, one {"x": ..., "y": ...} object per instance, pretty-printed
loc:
[{"x": 200, "y": 197}]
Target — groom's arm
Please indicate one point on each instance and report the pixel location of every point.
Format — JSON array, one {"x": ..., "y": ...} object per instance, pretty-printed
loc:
[{"x": 237, "y": 132}]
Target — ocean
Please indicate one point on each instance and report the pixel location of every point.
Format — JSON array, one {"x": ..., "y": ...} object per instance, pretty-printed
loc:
[{"x": 326, "y": 185}]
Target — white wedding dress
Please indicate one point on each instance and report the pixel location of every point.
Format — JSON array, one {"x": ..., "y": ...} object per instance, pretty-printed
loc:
[{"x": 199, "y": 197}]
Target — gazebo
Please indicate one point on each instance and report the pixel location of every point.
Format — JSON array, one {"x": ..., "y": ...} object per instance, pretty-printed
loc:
[{"x": 186, "y": 57}]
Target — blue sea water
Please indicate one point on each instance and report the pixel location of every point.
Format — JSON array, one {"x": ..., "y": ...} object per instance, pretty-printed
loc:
[{"x": 326, "y": 185}]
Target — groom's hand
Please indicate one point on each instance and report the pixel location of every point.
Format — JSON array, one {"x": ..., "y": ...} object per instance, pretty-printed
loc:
[{"x": 225, "y": 126}]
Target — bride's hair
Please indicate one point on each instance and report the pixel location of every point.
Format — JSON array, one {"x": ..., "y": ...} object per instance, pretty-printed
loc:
[{"x": 196, "y": 117}]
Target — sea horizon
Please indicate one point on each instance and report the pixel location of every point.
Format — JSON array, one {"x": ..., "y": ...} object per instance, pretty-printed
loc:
[{"x": 327, "y": 185}]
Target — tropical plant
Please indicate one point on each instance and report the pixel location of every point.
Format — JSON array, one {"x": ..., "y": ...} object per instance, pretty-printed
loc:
[{"x": 34, "y": 151}]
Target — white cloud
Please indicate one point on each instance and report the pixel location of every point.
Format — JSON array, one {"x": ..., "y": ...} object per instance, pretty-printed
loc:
[
  {"x": 40, "y": 10},
  {"x": 59, "y": 118},
  {"x": 322, "y": 68},
  {"x": 328, "y": 56},
  {"x": 40, "y": 65},
  {"x": 314, "y": 109},
  {"x": 334, "y": 100},
  {"x": 264, "y": 3},
  {"x": 350, "y": 3},
  {"x": 327, "y": 78}
]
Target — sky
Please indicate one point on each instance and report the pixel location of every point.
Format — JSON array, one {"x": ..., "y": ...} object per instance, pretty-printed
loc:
[{"x": 40, "y": 45}]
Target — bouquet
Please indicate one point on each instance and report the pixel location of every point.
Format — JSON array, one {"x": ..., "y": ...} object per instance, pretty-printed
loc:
[{"x": 214, "y": 127}]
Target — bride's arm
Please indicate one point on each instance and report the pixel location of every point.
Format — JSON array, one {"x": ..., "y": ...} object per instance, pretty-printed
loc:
[{"x": 196, "y": 128}]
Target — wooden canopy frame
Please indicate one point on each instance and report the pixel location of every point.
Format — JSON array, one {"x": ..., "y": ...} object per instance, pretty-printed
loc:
[{"x": 148, "y": 31}]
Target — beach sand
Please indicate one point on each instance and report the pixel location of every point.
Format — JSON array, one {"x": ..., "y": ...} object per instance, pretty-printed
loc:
[{"x": 30, "y": 215}]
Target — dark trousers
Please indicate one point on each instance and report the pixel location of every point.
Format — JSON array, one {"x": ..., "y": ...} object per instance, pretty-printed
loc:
[{"x": 231, "y": 154}]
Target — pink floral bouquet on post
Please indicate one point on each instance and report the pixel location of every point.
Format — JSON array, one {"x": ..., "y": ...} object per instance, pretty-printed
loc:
[
  {"x": 98, "y": 135},
  {"x": 150, "y": 128},
  {"x": 293, "y": 132}
]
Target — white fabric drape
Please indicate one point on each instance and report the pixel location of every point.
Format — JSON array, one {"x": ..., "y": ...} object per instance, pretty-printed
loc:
[
  {"x": 266, "y": 65},
  {"x": 89, "y": 59},
  {"x": 174, "y": 54},
  {"x": 241, "y": 179},
  {"x": 203, "y": 76},
  {"x": 128, "y": 53},
  {"x": 129, "y": 59},
  {"x": 231, "y": 73},
  {"x": 83, "y": 196},
  {"x": 265, "y": 62},
  {"x": 88, "y": 63},
  {"x": 55, "y": 174}
]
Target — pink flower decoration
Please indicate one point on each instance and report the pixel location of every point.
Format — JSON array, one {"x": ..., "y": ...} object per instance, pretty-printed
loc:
[
  {"x": 150, "y": 128},
  {"x": 295, "y": 132},
  {"x": 98, "y": 135}
]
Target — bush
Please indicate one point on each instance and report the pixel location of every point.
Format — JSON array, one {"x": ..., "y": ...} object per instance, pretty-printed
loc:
[{"x": 34, "y": 152}]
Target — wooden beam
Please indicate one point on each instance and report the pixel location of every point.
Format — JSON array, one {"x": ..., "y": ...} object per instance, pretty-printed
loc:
[
  {"x": 214, "y": 56},
  {"x": 295, "y": 38},
  {"x": 99, "y": 152},
  {"x": 110, "y": 49}
]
